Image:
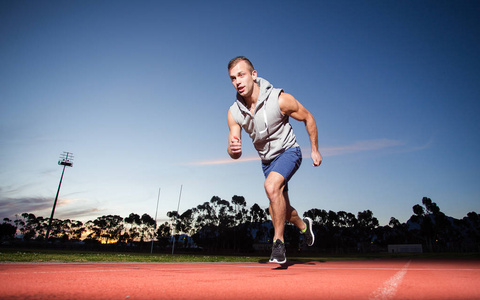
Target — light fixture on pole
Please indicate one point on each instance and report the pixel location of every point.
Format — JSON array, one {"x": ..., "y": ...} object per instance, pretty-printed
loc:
[{"x": 66, "y": 160}]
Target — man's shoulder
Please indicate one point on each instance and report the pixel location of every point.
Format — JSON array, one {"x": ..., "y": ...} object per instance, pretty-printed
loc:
[
  {"x": 285, "y": 96},
  {"x": 286, "y": 102},
  {"x": 234, "y": 108},
  {"x": 235, "y": 112}
]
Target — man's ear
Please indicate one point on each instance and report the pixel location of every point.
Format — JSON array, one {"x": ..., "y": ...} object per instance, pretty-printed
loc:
[{"x": 254, "y": 75}]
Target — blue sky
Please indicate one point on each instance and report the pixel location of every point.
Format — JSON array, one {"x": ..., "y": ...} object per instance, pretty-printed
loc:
[{"x": 139, "y": 92}]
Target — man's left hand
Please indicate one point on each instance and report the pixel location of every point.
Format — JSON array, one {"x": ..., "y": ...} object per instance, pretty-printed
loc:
[{"x": 317, "y": 158}]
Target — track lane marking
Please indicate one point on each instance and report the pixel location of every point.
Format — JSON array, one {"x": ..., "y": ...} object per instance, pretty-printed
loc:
[{"x": 389, "y": 287}]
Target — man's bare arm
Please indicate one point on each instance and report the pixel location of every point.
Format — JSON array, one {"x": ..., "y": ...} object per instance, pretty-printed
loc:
[
  {"x": 234, "y": 148},
  {"x": 293, "y": 108}
]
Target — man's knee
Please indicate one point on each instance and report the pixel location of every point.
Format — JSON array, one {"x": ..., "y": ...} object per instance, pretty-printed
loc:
[{"x": 274, "y": 185}]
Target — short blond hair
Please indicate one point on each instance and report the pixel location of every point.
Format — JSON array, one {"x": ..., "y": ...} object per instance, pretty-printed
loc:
[{"x": 238, "y": 59}]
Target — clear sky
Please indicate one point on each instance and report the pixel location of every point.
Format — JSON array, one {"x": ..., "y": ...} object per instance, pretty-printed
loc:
[{"x": 139, "y": 92}]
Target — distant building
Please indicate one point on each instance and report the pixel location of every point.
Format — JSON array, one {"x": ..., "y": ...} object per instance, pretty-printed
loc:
[{"x": 405, "y": 248}]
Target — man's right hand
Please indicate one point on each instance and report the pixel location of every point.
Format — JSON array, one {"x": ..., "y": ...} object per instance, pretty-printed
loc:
[
  {"x": 235, "y": 146},
  {"x": 234, "y": 142}
]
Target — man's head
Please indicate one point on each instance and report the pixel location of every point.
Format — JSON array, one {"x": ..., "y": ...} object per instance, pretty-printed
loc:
[
  {"x": 243, "y": 76},
  {"x": 238, "y": 59}
]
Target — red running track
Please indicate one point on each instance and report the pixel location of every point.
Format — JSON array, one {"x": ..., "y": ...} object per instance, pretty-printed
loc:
[{"x": 381, "y": 279}]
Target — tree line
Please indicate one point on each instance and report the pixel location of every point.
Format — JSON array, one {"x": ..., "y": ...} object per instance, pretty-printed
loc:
[{"x": 222, "y": 225}]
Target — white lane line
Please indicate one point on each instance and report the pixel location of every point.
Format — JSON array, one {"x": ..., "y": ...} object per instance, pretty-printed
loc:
[{"x": 389, "y": 287}]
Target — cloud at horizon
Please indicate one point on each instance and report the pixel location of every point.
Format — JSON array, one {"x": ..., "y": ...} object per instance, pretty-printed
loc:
[
  {"x": 10, "y": 207},
  {"x": 13, "y": 206},
  {"x": 360, "y": 146}
]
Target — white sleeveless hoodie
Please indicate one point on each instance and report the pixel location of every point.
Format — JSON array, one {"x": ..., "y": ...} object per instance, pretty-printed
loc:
[{"x": 269, "y": 129}]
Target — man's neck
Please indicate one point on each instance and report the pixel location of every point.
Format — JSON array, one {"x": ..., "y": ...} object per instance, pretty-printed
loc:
[{"x": 251, "y": 101}]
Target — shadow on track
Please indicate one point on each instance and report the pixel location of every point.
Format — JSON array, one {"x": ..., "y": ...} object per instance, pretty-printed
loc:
[{"x": 290, "y": 263}]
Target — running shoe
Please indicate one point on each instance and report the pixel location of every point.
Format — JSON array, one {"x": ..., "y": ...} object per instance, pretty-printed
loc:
[
  {"x": 278, "y": 253},
  {"x": 308, "y": 234}
]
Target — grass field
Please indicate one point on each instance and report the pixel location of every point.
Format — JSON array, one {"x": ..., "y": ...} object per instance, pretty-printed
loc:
[
  {"x": 48, "y": 255},
  {"x": 45, "y": 255}
]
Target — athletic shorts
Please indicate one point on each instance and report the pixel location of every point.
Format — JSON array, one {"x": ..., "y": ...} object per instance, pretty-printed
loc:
[{"x": 286, "y": 164}]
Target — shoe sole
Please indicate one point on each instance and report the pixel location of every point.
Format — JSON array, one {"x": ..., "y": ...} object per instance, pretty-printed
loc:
[
  {"x": 311, "y": 230},
  {"x": 276, "y": 261}
]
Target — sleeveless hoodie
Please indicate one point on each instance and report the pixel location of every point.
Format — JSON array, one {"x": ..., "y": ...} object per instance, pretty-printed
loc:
[{"x": 269, "y": 129}]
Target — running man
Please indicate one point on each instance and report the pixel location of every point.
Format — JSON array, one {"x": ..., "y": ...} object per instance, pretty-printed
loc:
[{"x": 263, "y": 112}]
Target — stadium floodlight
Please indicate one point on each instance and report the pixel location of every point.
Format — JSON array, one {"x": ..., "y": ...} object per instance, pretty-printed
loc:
[{"x": 66, "y": 160}]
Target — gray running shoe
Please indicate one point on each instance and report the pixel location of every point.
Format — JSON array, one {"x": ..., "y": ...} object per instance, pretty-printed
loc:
[
  {"x": 278, "y": 253},
  {"x": 309, "y": 236}
]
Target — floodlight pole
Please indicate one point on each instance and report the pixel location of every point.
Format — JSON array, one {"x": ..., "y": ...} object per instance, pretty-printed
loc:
[
  {"x": 66, "y": 160},
  {"x": 178, "y": 208},
  {"x": 155, "y": 226}
]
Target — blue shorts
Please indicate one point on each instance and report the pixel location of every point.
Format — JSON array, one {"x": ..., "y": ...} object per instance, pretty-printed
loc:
[{"x": 286, "y": 164}]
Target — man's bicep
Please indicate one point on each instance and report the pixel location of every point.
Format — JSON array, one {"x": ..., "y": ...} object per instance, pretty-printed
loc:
[
  {"x": 292, "y": 107},
  {"x": 235, "y": 129}
]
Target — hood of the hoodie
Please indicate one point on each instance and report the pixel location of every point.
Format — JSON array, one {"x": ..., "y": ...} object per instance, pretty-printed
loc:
[{"x": 265, "y": 90}]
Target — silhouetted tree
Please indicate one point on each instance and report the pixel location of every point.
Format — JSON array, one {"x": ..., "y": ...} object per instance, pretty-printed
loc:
[
  {"x": 7, "y": 230},
  {"x": 366, "y": 224},
  {"x": 240, "y": 217},
  {"x": 318, "y": 216},
  {"x": 77, "y": 229},
  {"x": 164, "y": 232},
  {"x": 257, "y": 214},
  {"x": 258, "y": 217},
  {"x": 147, "y": 227},
  {"x": 219, "y": 224},
  {"x": 205, "y": 215},
  {"x": 435, "y": 229},
  {"x": 345, "y": 219},
  {"x": 108, "y": 228},
  {"x": 241, "y": 212},
  {"x": 471, "y": 228},
  {"x": 134, "y": 221},
  {"x": 186, "y": 222},
  {"x": 28, "y": 229},
  {"x": 398, "y": 233}
]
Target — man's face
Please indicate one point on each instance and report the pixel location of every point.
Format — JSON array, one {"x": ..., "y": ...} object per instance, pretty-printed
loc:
[{"x": 243, "y": 79}]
